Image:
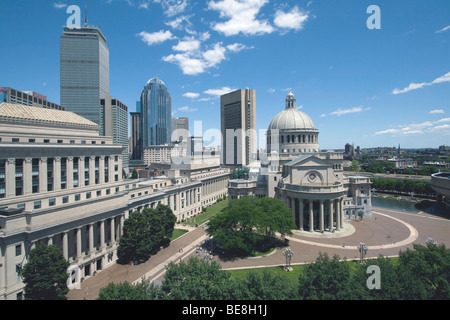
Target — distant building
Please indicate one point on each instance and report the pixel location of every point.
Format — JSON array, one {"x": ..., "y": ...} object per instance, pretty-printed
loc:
[
  {"x": 136, "y": 136},
  {"x": 180, "y": 129},
  {"x": 114, "y": 123},
  {"x": 84, "y": 71},
  {"x": 28, "y": 98},
  {"x": 238, "y": 127},
  {"x": 349, "y": 149},
  {"x": 156, "y": 114}
]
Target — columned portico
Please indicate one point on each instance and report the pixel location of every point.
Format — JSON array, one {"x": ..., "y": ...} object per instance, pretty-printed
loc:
[{"x": 316, "y": 215}]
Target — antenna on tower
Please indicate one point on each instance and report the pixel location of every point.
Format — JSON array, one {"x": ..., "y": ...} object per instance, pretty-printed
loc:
[{"x": 85, "y": 14}]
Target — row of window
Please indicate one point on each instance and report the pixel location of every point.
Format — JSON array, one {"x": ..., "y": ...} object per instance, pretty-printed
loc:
[{"x": 59, "y": 141}]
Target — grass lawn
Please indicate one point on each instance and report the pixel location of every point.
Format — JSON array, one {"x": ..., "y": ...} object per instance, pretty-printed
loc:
[
  {"x": 292, "y": 275},
  {"x": 177, "y": 233},
  {"x": 210, "y": 212}
]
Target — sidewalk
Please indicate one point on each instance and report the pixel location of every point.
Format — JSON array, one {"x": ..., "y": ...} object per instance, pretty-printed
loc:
[{"x": 152, "y": 268}]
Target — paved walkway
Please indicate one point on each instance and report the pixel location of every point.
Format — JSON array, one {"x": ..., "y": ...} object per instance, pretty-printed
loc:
[{"x": 386, "y": 233}]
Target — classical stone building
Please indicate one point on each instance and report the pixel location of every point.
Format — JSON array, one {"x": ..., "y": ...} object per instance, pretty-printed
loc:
[
  {"x": 61, "y": 183},
  {"x": 310, "y": 182}
]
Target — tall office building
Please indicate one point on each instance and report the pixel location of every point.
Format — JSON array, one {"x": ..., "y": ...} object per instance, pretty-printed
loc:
[
  {"x": 238, "y": 126},
  {"x": 180, "y": 129},
  {"x": 156, "y": 114},
  {"x": 84, "y": 71},
  {"x": 136, "y": 153},
  {"x": 114, "y": 123}
]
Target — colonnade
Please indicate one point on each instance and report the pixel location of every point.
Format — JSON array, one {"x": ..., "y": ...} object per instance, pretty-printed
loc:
[
  {"x": 317, "y": 215},
  {"x": 89, "y": 243}
]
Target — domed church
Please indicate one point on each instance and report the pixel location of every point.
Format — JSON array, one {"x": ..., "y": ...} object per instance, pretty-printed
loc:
[{"x": 310, "y": 182}]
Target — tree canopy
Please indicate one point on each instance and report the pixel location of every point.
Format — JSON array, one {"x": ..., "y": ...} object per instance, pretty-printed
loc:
[
  {"x": 45, "y": 274},
  {"x": 144, "y": 232},
  {"x": 248, "y": 221}
]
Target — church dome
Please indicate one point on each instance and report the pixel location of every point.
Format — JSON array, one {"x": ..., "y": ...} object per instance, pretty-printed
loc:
[{"x": 291, "y": 118}]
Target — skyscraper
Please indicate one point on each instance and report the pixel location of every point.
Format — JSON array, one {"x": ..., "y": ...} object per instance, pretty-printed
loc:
[
  {"x": 114, "y": 123},
  {"x": 180, "y": 129},
  {"x": 238, "y": 126},
  {"x": 84, "y": 71},
  {"x": 156, "y": 114}
]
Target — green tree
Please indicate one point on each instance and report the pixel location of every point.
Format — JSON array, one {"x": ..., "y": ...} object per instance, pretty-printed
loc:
[
  {"x": 45, "y": 274},
  {"x": 197, "y": 280},
  {"x": 249, "y": 221},
  {"x": 144, "y": 232},
  {"x": 425, "y": 272},
  {"x": 325, "y": 279},
  {"x": 127, "y": 291},
  {"x": 355, "y": 166},
  {"x": 265, "y": 286}
]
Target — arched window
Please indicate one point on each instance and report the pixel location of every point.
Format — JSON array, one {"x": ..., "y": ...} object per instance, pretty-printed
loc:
[
  {"x": 288, "y": 138},
  {"x": 299, "y": 139}
]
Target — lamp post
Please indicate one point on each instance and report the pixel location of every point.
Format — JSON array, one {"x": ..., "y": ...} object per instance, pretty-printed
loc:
[
  {"x": 288, "y": 253},
  {"x": 362, "y": 251}
]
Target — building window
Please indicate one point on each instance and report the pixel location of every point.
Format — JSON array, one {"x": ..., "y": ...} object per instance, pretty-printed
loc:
[
  {"x": 88, "y": 195},
  {"x": 37, "y": 204},
  {"x": 46, "y": 140},
  {"x": 18, "y": 250},
  {"x": 51, "y": 202},
  {"x": 65, "y": 199},
  {"x": 77, "y": 197},
  {"x": 15, "y": 139}
]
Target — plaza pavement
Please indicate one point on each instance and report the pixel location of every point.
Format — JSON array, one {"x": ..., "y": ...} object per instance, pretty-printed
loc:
[{"x": 386, "y": 233}]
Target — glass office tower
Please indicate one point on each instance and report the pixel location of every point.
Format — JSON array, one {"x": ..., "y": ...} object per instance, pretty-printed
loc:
[
  {"x": 84, "y": 71},
  {"x": 156, "y": 114}
]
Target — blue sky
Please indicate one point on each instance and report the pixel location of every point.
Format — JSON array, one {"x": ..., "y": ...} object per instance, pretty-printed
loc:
[{"x": 370, "y": 87}]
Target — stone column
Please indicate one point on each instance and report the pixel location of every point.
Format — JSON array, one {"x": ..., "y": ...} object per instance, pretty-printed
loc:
[
  {"x": 65, "y": 245},
  {"x": 341, "y": 212},
  {"x": 321, "y": 216},
  {"x": 113, "y": 229},
  {"x": 69, "y": 173},
  {"x": 43, "y": 175},
  {"x": 102, "y": 234},
  {"x": 10, "y": 175},
  {"x": 50, "y": 241},
  {"x": 111, "y": 169},
  {"x": 311, "y": 216},
  {"x": 120, "y": 165},
  {"x": 338, "y": 211},
  {"x": 81, "y": 171},
  {"x": 101, "y": 170},
  {"x": 91, "y": 170},
  {"x": 301, "y": 205},
  {"x": 91, "y": 238},
  {"x": 57, "y": 174},
  {"x": 27, "y": 176},
  {"x": 79, "y": 244},
  {"x": 331, "y": 215}
]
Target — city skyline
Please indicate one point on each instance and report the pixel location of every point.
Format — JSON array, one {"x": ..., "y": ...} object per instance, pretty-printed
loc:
[{"x": 368, "y": 87}]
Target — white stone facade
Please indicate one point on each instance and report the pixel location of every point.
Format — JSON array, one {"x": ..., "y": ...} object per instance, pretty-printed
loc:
[{"x": 66, "y": 188}]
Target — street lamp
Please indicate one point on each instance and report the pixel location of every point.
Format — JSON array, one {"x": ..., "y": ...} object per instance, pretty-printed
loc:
[
  {"x": 362, "y": 251},
  {"x": 288, "y": 253}
]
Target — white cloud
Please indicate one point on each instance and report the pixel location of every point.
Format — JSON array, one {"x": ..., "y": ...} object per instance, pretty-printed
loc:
[
  {"x": 236, "y": 47},
  {"x": 271, "y": 90},
  {"x": 193, "y": 61},
  {"x": 242, "y": 17},
  {"x": 188, "y": 44},
  {"x": 190, "y": 66},
  {"x": 173, "y": 7},
  {"x": 419, "y": 128},
  {"x": 341, "y": 112},
  {"x": 293, "y": 19},
  {"x": 437, "y": 111},
  {"x": 219, "y": 91},
  {"x": 415, "y": 86},
  {"x": 443, "y": 29},
  {"x": 155, "y": 37},
  {"x": 214, "y": 56},
  {"x": 323, "y": 115},
  {"x": 191, "y": 95},
  {"x": 59, "y": 5},
  {"x": 187, "y": 109}
]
